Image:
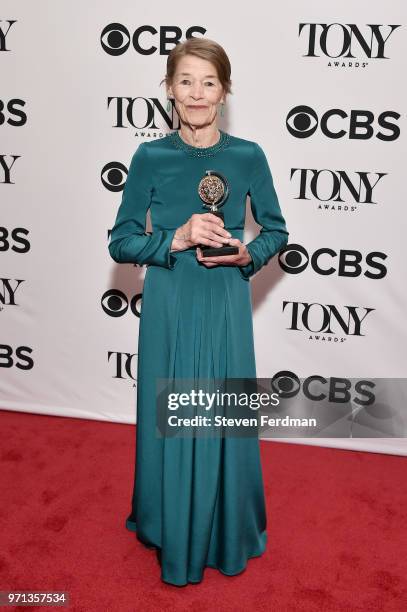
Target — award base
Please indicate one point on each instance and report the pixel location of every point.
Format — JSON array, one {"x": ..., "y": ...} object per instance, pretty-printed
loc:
[{"x": 208, "y": 251}]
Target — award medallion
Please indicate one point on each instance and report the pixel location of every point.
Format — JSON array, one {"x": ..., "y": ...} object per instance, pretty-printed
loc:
[{"x": 213, "y": 189}]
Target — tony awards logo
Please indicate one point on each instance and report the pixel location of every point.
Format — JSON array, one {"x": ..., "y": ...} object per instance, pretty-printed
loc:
[{"x": 213, "y": 190}]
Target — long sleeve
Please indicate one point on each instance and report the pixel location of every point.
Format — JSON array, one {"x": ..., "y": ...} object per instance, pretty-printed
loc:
[
  {"x": 129, "y": 242},
  {"x": 266, "y": 211}
]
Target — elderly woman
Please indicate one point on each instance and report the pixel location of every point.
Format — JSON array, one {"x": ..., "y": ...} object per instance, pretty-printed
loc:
[{"x": 199, "y": 502}]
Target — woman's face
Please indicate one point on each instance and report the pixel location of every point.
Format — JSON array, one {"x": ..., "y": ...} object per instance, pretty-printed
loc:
[{"x": 197, "y": 91}]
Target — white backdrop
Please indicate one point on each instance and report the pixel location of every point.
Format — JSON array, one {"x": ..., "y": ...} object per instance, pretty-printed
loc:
[{"x": 69, "y": 314}]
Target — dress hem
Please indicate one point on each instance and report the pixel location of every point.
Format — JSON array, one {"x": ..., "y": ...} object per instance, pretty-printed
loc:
[{"x": 131, "y": 526}]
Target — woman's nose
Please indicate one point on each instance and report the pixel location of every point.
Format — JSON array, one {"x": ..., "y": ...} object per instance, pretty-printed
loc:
[{"x": 197, "y": 90}]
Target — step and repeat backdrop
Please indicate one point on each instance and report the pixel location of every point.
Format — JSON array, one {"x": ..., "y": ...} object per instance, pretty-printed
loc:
[{"x": 321, "y": 88}]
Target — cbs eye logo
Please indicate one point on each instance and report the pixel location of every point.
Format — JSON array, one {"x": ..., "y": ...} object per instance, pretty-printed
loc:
[
  {"x": 285, "y": 383},
  {"x": 293, "y": 259},
  {"x": 114, "y": 176},
  {"x": 115, "y": 303},
  {"x": 115, "y": 39},
  {"x": 302, "y": 122}
]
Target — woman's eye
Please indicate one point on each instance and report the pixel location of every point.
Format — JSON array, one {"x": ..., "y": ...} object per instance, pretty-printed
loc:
[{"x": 187, "y": 82}]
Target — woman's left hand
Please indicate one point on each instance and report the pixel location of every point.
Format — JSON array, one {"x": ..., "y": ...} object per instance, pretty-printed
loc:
[{"x": 240, "y": 259}]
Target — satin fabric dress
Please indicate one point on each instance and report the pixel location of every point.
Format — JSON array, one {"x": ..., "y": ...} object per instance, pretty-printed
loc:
[{"x": 200, "y": 501}]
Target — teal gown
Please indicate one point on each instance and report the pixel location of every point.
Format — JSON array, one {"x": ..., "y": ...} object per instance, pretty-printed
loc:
[{"x": 198, "y": 501}]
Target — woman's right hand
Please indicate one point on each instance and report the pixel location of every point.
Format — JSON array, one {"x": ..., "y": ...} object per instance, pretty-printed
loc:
[{"x": 201, "y": 228}]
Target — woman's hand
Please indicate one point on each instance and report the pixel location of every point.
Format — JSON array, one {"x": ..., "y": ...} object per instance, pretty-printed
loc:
[
  {"x": 240, "y": 259},
  {"x": 201, "y": 228}
]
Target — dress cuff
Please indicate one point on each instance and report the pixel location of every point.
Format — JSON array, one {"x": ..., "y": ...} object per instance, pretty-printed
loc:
[
  {"x": 163, "y": 256},
  {"x": 171, "y": 260},
  {"x": 249, "y": 269}
]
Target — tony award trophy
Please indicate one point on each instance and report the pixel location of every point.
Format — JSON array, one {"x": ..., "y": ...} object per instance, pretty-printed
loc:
[{"x": 213, "y": 190}]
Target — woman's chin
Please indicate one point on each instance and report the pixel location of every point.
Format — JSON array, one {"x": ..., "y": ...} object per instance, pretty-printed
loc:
[{"x": 196, "y": 122}]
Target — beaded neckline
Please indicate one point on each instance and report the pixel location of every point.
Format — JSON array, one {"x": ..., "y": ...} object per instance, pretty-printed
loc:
[{"x": 178, "y": 142}]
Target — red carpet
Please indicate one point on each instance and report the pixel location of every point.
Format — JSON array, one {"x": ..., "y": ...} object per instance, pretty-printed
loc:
[{"x": 337, "y": 526}]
